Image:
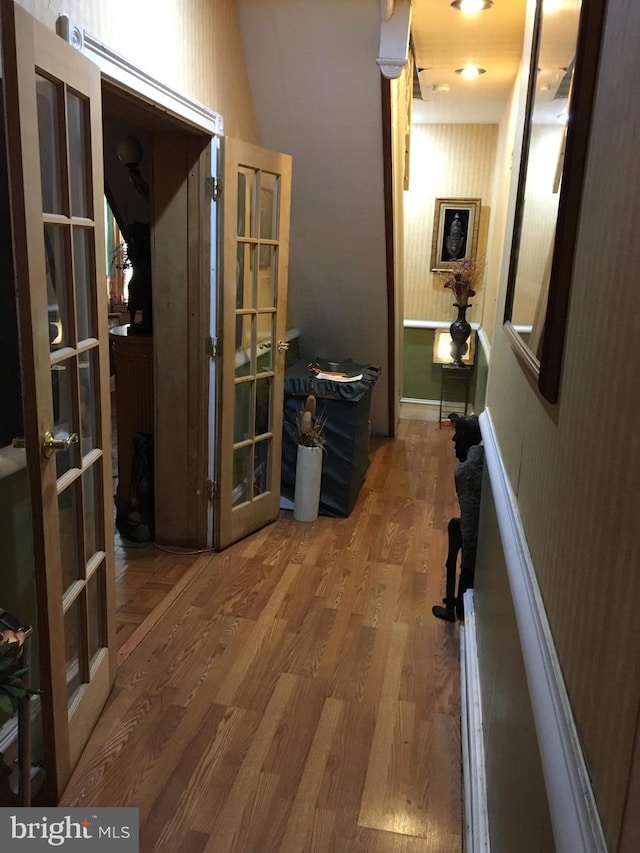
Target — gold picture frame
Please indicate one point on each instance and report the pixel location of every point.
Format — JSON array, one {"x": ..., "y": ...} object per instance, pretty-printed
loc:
[{"x": 455, "y": 231}]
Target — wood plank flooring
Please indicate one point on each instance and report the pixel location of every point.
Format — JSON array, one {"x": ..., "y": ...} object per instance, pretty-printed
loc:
[{"x": 297, "y": 694}]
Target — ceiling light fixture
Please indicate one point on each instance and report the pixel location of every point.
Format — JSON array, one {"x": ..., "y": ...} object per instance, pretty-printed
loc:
[
  {"x": 470, "y": 71},
  {"x": 471, "y": 6}
]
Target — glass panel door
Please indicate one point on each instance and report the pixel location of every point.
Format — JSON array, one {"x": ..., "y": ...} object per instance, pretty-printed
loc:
[
  {"x": 256, "y": 246},
  {"x": 53, "y": 108}
]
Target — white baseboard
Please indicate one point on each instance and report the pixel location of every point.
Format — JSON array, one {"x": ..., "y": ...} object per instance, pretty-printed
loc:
[
  {"x": 420, "y": 410},
  {"x": 476, "y": 821},
  {"x": 574, "y": 816}
]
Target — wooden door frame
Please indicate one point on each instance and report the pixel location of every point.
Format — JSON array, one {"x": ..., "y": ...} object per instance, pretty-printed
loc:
[
  {"x": 182, "y": 264},
  {"x": 181, "y": 313}
]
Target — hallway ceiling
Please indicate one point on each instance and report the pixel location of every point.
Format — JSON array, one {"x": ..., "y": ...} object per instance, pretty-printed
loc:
[{"x": 444, "y": 39}]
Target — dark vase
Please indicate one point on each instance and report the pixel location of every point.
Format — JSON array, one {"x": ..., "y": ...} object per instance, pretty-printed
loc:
[{"x": 460, "y": 331}]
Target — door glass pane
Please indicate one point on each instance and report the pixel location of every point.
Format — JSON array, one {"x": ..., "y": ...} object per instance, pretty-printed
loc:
[
  {"x": 262, "y": 467},
  {"x": 243, "y": 412},
  {"x": 244, "y": 277},
  {"x": 241, "y": 474},
  {"x": 83, "y": 267},
  {"x": 77, "y": 130},
  {"x": 268, "y": 206},
  {"x": 88, "y": 368},
  {"x": 265, "y": 347},
  {"x": 246, "y": 195},
  {"x": 72, "y": 629},
  {"x": 92, "y": 511},
  {"x": 48, "y": 105},
  {"x": 56, "y": 271},
  {"x": 245, "y": 325},
  {"x": 68, "y": 524},
  {"x": 263, "y": 405},
  {"x": 267, "y": 278},
  {"x": 96, "y": 607},
  {"x": 63, "y": 422}
]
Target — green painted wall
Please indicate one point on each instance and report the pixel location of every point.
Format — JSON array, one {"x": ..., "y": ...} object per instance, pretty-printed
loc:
[{"x": 423, "y": 378}]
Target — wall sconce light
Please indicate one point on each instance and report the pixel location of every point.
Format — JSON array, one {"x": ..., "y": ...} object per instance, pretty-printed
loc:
[
  {"x": 469, "y": 72},
  {"x": 471, "y": 6},
  {"x": 130, "y": 153},
  {"x": 442, "y": 347}
]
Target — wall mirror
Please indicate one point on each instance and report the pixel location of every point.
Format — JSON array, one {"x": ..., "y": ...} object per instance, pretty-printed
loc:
[{"x": 562, "y": 79}]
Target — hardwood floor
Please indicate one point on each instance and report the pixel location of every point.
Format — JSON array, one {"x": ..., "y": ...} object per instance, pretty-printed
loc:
[{"x": 296, "y": 693}]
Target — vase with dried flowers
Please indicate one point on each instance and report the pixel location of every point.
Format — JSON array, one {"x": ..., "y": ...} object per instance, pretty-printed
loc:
[
  {"x": 464, "y": 277},
  {"x": 306, "y": 501}
]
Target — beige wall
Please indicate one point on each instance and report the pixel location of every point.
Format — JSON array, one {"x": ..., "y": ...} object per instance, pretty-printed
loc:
[
  {"x": 538, "y": 222},
  {"x": 401, "y": 133},
  {"x": 193, "y": 46},
  {"x": 574, "y": 466},
  {"x": 317, "y": 94},
  {"x": 447, "y": 161},
  {"x": 503, "y": 201}
]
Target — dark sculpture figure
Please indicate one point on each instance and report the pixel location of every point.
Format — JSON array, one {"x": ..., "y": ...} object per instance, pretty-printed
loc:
[
  {"x": 455, "y": 239},
  {"x": 135, "y": 514},
  {"x": 138, "y": 237},
  {"x": 463, "y": 531}
]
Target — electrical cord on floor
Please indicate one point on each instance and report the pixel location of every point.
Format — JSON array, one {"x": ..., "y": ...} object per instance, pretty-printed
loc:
[{"x": 175, "y": 550}]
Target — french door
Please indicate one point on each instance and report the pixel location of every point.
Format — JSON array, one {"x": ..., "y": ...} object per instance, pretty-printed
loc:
[
  {"x": 54, "y": 140},
  {"x": 257, "y": 201}
]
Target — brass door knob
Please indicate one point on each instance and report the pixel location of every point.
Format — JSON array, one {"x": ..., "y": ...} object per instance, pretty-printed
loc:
[
  {"x": 283, "y": 346},
  {"x": 51, "y": 445}
]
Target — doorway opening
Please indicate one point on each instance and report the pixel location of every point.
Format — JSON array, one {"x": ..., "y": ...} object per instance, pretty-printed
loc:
[{"x": 136, "y": 192}]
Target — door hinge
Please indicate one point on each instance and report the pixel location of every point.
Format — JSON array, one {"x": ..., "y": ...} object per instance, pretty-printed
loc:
[
  {"x": 212, "y": 490},
  {"x": 214, "y": 188},
  {"x": 212, "y": 347}
]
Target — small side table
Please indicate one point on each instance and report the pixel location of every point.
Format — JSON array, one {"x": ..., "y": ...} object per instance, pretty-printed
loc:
[{"x": 455, "y": 389}]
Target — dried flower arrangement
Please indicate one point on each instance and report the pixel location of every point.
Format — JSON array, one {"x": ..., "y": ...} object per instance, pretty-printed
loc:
[
  {"x": 464, "y": 277},
  {"x": 310, "y": 428},
  {"x": 13, "y": 690}
]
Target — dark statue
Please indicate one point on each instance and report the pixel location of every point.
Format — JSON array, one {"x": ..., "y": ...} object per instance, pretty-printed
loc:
[
  {"x": 463, "y": 531},
  {"x": 454, "y": 241},
  {"x": 138, "y": 237},
  {"x": 135, "y": 514}
]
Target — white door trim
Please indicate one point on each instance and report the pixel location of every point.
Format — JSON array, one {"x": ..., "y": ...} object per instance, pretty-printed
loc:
[{"x": 124, "y": 74}]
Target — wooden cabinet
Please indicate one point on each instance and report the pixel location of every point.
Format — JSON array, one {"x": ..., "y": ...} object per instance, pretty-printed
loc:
[{"x": 133, "y": 362}]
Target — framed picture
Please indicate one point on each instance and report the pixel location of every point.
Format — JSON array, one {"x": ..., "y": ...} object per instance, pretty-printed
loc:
[{"x": 455, "y": 231}]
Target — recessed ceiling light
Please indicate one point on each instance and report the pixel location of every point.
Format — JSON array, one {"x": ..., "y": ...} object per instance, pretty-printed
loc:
[
  {"x": 470, "y": 71},
  {"x": 471, "y": 6}
]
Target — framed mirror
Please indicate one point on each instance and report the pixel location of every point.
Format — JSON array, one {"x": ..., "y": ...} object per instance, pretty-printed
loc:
[{"x": 562, "y": 79}]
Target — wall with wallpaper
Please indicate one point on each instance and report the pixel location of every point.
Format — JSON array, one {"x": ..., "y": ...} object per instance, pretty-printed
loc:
[
  {"x": 193, "y": 47},
  {"x": 447, "y": 161},
  {"x": 574, "y": 466}
]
